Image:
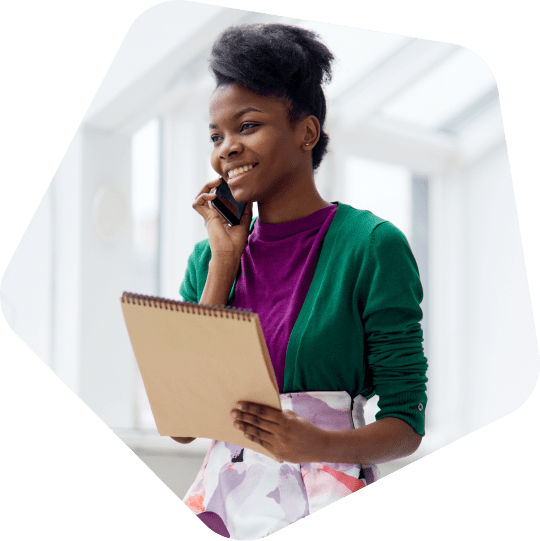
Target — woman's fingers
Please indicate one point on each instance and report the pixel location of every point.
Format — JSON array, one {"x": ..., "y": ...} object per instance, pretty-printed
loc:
[
  {"x": 287, "y": 435},
  {"x": 225, "y": 240},
  {"x": 209, "y": 186},
  {"x": 243, "y": 418},
  {"x": 208, "y": 189},
  {"x": 202, "y": 200},
  {"x": 183, "y": 440},
  {"x": 259, "y": 410},
  {"x": 203, "y": 206},
  {"x": 255, "y": 431}
]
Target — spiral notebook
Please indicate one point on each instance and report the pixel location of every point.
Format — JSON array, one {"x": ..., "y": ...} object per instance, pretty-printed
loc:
[{"x": 196, "y": 362}]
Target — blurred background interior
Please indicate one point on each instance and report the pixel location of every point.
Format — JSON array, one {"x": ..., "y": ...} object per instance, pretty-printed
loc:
[{"x": 416, "y": 137}]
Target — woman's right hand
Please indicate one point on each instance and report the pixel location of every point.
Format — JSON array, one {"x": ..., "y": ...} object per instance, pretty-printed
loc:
[
  {"x": 227, "y": 242},
  {"x": 183, "y": 440}
]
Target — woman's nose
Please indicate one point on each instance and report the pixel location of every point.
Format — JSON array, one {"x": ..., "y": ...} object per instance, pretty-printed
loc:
[{"x": 229, "y": 146}]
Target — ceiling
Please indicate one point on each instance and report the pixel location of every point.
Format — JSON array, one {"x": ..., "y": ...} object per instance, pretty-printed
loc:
[{"x": 382, "y": 83}]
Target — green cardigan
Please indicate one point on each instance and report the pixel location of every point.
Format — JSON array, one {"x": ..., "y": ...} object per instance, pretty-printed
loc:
[{"x": 359, "y": 327}]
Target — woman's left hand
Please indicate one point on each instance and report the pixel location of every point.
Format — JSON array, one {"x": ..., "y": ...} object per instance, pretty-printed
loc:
[{"x": 289, "y": 437}]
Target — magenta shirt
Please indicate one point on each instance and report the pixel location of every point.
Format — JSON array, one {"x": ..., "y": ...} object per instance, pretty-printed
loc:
[{"x": 277, "y": 268}]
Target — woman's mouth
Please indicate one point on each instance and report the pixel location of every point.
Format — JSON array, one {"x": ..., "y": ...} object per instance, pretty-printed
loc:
[{"x": 235, "y": 173}]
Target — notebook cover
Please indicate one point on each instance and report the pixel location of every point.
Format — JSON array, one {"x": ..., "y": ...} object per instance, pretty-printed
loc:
[{"x": 196, "y": 363}]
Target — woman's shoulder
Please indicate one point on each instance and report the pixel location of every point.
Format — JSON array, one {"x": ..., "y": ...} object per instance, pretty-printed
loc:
[
  {"x": 358, "y": 229},
  {"x": 354, "y": 222},
  {"x": 355, "y": 218}
]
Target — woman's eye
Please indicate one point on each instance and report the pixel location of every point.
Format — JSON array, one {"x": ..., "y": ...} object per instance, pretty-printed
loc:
[
  {"x": 249, "y": 125},
  {"x": 214, "y": 138}
]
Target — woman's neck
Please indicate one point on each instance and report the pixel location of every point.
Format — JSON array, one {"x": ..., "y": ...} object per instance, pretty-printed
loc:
[
  {"x": 297, "y": 200},
  {"x": 289, "y": 213}
]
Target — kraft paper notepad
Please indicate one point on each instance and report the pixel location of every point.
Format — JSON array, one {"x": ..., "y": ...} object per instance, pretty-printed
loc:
[{"x": 197, "y": 362}]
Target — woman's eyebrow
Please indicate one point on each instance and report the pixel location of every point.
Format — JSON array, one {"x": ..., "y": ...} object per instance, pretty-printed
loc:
[{"x": 239, "y": 114}]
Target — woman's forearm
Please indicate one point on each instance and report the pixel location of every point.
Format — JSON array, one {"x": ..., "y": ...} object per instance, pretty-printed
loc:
[
  {"x": 219, "y": 282},
  {"x": 387, "y": 439}
]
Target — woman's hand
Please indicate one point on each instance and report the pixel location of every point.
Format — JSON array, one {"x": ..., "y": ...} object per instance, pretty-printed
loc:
[
  {"x": 183, "y": 440},
  {"x": 293, "y": 439},
  {"x": 289, "y": 437},
  {"x": 227, "y": 242}
]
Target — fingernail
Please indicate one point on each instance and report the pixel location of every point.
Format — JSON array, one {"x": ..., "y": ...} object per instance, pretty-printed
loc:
[{"x": 234, "y": 415}]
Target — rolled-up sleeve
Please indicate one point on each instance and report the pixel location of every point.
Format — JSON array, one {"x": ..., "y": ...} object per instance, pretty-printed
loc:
[{"x": 393, "y": 336}]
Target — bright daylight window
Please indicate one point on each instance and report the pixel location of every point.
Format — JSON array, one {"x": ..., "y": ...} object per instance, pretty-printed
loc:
[
  {"x": 145, "y": 213},
  {"x": 382, "y": 188}
]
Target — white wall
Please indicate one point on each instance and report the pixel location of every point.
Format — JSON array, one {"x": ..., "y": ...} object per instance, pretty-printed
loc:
[
  {"x": 501, "y": 352},
  {"x": 484, "y": 355},
  {"x": 106, "y": 366},
  {"x": 67, "y": 188}
]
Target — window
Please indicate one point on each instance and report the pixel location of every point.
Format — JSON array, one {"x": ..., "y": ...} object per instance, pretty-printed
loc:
[
  {"x": 382, "y": 188},
  {"x": 145, "y": 216}
]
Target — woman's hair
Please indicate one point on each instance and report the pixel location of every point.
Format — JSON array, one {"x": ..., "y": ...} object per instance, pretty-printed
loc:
[{"x": 277, "y": 60}]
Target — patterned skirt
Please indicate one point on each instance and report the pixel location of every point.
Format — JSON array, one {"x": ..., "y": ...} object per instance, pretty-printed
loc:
[{"x": 242, "y": 494}]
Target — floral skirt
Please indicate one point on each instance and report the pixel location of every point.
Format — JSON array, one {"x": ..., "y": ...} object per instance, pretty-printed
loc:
[{"x": 242, "y": 494}]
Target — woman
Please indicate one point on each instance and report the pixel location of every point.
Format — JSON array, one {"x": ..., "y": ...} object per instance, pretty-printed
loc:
[{"x": 336, "y": 289}]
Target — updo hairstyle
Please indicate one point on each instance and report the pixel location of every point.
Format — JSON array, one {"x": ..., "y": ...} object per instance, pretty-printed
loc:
[{"x": 277, "y": 60}]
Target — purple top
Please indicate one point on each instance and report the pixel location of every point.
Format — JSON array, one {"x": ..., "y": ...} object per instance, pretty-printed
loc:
[{"x": 277, "y": 267}]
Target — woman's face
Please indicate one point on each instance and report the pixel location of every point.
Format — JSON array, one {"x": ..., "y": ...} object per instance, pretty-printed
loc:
[{"x": 256, "y": 150}]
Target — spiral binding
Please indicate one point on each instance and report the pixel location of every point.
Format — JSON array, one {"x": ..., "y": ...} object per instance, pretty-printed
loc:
[{"x": 188, "y": 307}]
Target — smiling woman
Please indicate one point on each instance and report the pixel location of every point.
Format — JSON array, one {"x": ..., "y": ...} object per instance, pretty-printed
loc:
[
  {"x": 337, "y": 291},
  {"x": 263, "y": 156}
]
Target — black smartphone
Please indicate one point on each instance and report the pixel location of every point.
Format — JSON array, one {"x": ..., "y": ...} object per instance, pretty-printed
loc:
[{"x": 226, "y": 205}]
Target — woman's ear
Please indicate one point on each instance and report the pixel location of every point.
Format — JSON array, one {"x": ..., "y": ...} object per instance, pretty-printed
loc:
[{"x": 311, "y": 132}]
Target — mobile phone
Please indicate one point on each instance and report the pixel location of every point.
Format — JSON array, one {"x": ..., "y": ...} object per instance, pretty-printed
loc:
[{"x": 226, "y": 205}]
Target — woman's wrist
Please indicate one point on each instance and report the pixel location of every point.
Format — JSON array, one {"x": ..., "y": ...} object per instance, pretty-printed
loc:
[
  {"x": 220, "y": 279},
  {"x": 324, "y": 445},
  {"x": 224, "y": 264}
]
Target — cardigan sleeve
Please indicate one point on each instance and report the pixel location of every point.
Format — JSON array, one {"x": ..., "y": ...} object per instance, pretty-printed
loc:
[
  {"x": 393, "y": 336},
  {"x": 196, "y": 272},
  {"x": 187, "y": 288}
]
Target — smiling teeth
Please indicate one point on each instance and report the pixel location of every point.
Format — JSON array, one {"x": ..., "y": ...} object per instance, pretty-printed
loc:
[{"x": 239, "y": 171}]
